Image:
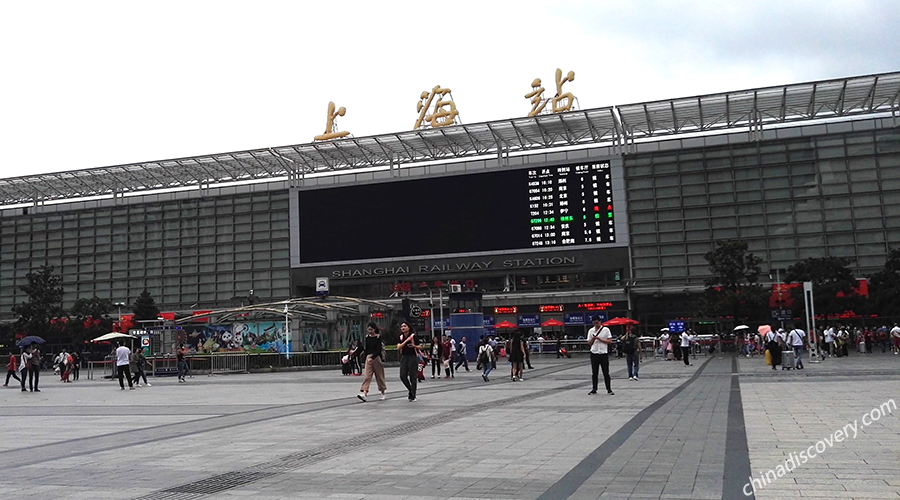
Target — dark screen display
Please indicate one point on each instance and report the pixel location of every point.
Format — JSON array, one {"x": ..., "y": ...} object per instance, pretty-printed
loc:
[{"x": 509, "y": 210}]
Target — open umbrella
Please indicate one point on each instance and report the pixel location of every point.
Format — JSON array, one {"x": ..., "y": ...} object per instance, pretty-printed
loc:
[
  {"x": 740, "y": 327},
  {"x": 620, "y": 321},
  {"x": 552, "y": 322},
  {"x": 506, "y": 324},
  {"x": 27, "y": 341},
  {"x": 113, "y": 335}
]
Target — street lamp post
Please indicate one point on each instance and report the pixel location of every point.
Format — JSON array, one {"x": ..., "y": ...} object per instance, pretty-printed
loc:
[{"x": 120, "y": 305}]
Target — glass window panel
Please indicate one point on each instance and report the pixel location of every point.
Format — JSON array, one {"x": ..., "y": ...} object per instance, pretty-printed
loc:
[
  {"x": 693, "y": 213},
  {"x": 803, "y": 168},
  {"x": 669, "y": 215},
  {"x": 777, "y": 194},
  {"x": 775, "y": 171},
  {"x": 644, "y": 239},
  {"x": 832, "y": 152},
  {"x": 640, "y": 183},
  {"x": 671, "y": 249},
  {"x": 808, "y": 216},
  {"x": 670, "y": 226},
  {"x": 843, "y": 224},
  {"x": 752, "y": 231},
  {"x": 864, "y": 187},
  {"x": 722, "y": 175},
  {"x": 674, "y": 271},
  {"x": 641, "y": 204},
  {"x": 694, "y": 189},
  {"x": 664, "y": 192},
  {"x": 842, "y": 251},
  {"x": 700, "y": 235},
  {"x": 835, "y": 189},
  {"x": 870, "y": 237},
  {"x": 672, "y": 260},
  {"x": 747, "y": 185},
  {"x": 696, "y": 224},
  {"x": 642, "y": 217},
  {"x": 693, "y": 179},
  {"x": 671, "y": 237},
  {"x": 639, "y": 194},
  {"x": 646, "y": 261},
  {"x": 695, "y": 200},
  {"x": 869, "y": 223},
  {"x": 660, "y": 203},
  {"x": 862, "y": 212}
]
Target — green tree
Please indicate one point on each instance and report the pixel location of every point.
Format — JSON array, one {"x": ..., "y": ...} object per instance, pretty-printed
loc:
[
  {"x": 733, "y": 289},
  {"x": 45, "y": 294},
  {"x": 91, "y": 319},
  {"x": 884, "y": 286},
  {"x": 145, "y": 307},
  {"x": 832, "y": 281}
]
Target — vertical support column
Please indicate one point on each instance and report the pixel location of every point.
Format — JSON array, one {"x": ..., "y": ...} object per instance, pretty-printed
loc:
[{"x": 811, "y": 321}]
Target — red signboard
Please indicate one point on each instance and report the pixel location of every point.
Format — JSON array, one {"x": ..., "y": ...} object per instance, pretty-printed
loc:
[
  {"x": 555, "y": 308},
  {"x": 506, "y": 310},
  {"x": 594, "y": 306}
]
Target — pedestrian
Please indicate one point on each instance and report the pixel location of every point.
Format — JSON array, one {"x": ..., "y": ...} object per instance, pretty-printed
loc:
[
  {"x": 447, "y": 356},
  {"x": 527, "y": 346},
  {"x": 461, "y": 352},
  {"x": 76, "y": 365},
  {"x": 598, "y": 339},
  {"x": 123, "y": 360},
  {"x": 895, "y": 337},
  {"x": 829, "y": 341},
  {"x": 408, "y": 359},
  {"x": 453, "y": 354},
  {"x": 373, "y": 350},
  {"x": 485, "y": 358},
  {"x": 11, "y": 369},
  {"x": 559, "y": 353},
  {"x": 25, "y": 368},
  {"x": 664, "y": 342},
  {"x": 516, "y": 356},
  {"x": 629, "y": 343},
  {"x": 435, "y": 356},
  {"x": 771, "y": 346},
  {"x": 797, "y": 339},
  {"x": 34, "y": 369},
  {"x": 181, "y": 361},
  {"x": 138, "y": 362},
  {"x": 60, "y": 361},
  {"x": 686, "y": 339}
]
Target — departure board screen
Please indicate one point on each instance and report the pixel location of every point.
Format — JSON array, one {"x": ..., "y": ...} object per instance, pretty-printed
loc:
[
  {"x": 571, "y": 205},
  {"x": 522, "y": 209}
]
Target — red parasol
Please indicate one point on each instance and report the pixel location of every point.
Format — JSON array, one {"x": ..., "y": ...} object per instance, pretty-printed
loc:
[
  {"x": 505, "y": 324},
  {"x": 552, "y": 322},
  {"x": 620, "y": 321}
]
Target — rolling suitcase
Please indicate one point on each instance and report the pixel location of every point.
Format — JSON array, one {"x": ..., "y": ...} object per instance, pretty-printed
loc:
[
  {"x": 670, "y": 356},
  {"x": 788, "y": 360}
]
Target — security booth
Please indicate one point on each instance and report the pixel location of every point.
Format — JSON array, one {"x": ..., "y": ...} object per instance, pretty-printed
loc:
[{"x": 467, "y": 320}]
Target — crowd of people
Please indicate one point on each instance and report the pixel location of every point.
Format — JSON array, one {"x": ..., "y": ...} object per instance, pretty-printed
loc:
[{"x": 831, "y": 341}]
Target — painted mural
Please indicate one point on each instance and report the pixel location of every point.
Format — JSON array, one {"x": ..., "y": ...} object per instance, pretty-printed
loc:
[{"x": 238, "y": 337}]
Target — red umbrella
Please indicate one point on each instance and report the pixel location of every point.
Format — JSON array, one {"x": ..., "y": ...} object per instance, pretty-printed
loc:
[
  {"x": 506, "y": 324},
  {"x": 620, "y": 321},
  {"x": 552, "y": 322}
]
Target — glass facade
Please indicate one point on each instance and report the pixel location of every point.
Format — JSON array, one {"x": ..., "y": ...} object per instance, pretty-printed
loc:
[
  {"x": 200, "y": 253},
  {"x": 789, "y": 199}
]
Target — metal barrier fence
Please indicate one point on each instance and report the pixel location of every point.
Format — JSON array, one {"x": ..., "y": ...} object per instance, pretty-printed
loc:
[{"x": 228, "y": 362}]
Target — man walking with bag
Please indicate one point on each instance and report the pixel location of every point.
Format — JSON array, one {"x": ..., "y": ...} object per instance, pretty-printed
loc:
[
  {"x": 629, "y": 343},
  {"x": 797, "y": 340}
]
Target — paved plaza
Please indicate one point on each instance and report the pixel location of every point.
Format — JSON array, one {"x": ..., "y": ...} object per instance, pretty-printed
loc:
[{"x": 681, "y": 432}]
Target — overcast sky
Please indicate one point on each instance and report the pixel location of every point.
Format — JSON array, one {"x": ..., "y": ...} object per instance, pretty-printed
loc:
[{"x": 89, "y": 83}]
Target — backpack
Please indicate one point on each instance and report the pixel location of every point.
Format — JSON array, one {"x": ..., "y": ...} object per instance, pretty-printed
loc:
[
  {"x": 629, "y": 344},
  {"x": 483, "y": 356}
]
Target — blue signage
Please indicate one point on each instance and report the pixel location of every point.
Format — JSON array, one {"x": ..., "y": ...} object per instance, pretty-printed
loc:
[
  {"x": 676, "y": 326},
  {"x": 436, "y": 323},
  {"x": 488, "y": 321},
  {"x": 576, "y": 319},
  {"x": 529, "y": 320}
]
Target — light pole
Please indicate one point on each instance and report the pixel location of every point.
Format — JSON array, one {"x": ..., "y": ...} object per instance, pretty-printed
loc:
[{"x": 120, "y": 305}]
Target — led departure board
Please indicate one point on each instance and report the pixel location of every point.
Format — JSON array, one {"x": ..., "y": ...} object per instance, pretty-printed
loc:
[
  {"x": 571, "y": 205},
  {"x": 522, "y": 209}
]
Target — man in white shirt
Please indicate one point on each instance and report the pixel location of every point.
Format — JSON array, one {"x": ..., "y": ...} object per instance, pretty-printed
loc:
[
  {"x": 664, "y": 343},
  {"x": 829, "y": 341},
  {"x": 123, "y": 360},
  {"x": 797, "y": 339},
  {"x": 686, "y": 339},
  {"x": 598, "y": 339},
  {"x": 895, "y": 337}
]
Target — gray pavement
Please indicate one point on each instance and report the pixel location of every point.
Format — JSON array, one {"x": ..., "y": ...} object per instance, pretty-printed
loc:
[{"x": 679, "y": 433}]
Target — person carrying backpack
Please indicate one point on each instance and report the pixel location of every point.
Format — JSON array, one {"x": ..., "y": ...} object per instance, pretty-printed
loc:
[{"x": 631, "y": 350}]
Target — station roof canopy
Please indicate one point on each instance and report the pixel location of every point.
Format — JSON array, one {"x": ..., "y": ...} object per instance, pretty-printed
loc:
[
  {"x": 317, "y": 309},
  {"x": 615, "y": 125}
]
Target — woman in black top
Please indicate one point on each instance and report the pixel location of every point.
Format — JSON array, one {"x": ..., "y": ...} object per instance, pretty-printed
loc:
[
  {"x": 516, "y": 355},
  {"x": 374, "y": 356},
  {"x": 409, "y": 363}
]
